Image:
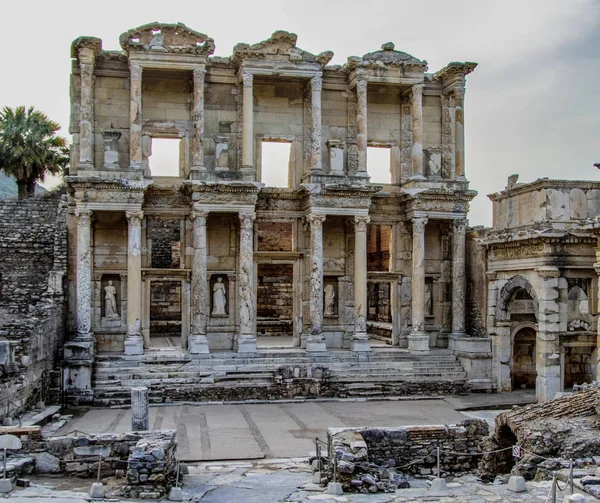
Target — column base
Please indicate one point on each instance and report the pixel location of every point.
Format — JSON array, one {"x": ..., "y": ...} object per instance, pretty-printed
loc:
[
  {"x": 134, "y": 345},
  {"x": 246, "y": 344},
  {"x": 316, "y": 344},
  {"x": 198, "y": 345},
  {"x": 418, "y": 342},
  {"x": 79, "y": 349},
  {"x": 360, "y": 343},
  {"x": 452, "y": 339}
]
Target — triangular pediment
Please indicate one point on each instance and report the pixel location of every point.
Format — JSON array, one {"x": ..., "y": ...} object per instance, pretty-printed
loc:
[
  {"x": 166, "y": 38},
  {"x": 388, "y": 56}
]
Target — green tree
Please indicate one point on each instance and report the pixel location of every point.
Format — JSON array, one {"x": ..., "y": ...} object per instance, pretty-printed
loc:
[{"x": 30, "y": 148}]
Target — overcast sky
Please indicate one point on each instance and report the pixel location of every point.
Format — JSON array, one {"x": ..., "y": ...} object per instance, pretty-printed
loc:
[{"x": 532, "y": 105}]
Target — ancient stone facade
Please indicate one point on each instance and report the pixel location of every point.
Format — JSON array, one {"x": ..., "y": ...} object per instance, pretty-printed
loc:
[{"x": 538, "y": 300}]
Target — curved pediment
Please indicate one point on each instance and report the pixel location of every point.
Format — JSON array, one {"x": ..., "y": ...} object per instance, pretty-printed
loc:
[
  {"x": 166, "y": 38},
  {"x": 281, "y": 46},
  {"x": 387, "y": 56}
]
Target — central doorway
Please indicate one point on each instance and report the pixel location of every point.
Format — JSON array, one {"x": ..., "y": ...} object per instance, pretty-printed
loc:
[
  {"x": 165, "y": 314},
  {"x": 524, "y": 371},
  {"x": 275, "y": 305}
]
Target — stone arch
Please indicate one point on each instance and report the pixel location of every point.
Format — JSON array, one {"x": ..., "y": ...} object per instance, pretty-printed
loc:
[{"x": 507, "y": 293}]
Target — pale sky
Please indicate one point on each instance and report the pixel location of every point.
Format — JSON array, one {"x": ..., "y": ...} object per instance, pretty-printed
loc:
[{"x": 532, "y": 105}]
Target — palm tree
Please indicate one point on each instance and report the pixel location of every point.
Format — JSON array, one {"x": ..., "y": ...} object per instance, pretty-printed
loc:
[{"x": 30, "y": 148}]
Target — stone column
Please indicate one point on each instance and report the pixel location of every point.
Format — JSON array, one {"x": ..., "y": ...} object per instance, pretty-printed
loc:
[
  {"x": 86, "y": 114},
  {"x": 198, "y": 120},
  {"x": 135, "y": 116},
  {"x": 361, "y": 123},
  {"x": 597, "y": 269},
  {"x": 547, "y": 383},
  {"x": 316, "y": 340},
  {"x": 416, "y": 102},
  {"x": 448, "y": 137},
  {"x": 360, "y": 338},
  {"x": 200, "y": 306},
  {"x": 246, "y": 306},
  {"x": 316, "y": 85},
  {"x": 84, "y": 275},
  {"x": 140, "y": 412},
  {"x": 459, "y": 132},
  {"x": 134, "y": 343},
  {"x": 458, "y": 278},
  {"x": 418, "y": 340},
  {"x": 247, "y": 121}
]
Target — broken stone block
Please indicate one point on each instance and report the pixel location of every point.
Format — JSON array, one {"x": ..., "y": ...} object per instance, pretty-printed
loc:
[{"x": 516, "y": 484}]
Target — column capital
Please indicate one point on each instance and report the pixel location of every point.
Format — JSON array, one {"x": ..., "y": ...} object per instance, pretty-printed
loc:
[
  {"x": 247, "y": 79},
  {"x": 416, "y": 91},
  {"x": 247, "y": 217},
  {"x": 548, "y": 272},
  {"x": 361, "y": 84},
  {"x": 419, "y": 223},
  {"x": 199, "y": 73},
  {"x": 360, "y": 222},
  {"x": 316, "y": 83},
  {"x": 315, "y": 221},
  {"x": 460, "y": 226},
  {"x": 134, "y": 218},
  {"x": 84, "y": 216},
  {"x": 135, "y": 69},
  {"x": 198, "y": 215},
  {"x": 459, "y": 94}
]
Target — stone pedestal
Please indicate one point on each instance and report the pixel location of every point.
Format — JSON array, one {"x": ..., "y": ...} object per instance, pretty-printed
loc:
[
  {"x": 246, "y": 344},
  {"x": 360, "y": 338},
  {"x": 198, "y": 342},
  {"x": 246, "y": 340},
  {"x": 418, "y": 340},
  {"x": 140, "y": 412}
]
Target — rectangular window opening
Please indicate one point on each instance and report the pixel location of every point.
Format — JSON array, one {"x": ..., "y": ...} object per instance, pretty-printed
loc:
[
  {"x": 164, "y": 158},
  {"x": 379, "y": 241},
  {"x": 379, "y": 162},
  {"x": 275, "y": 164}
]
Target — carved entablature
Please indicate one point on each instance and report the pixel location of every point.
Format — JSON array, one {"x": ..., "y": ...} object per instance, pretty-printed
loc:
[
  {"x": 166, "y": 38},
  {"x": 344, "y": 199},
  {"x": 440, "y": 203},
  {"x": 167, "y": 199},
  {"x": 518, "y": 250},
  {"x": 107, "y": 195},
  {"x": 229, "y": 194},
  {"x": 281, "y": 46},
  {"x": 452, "y": 76},
  {"x": 279, "y": 201}
]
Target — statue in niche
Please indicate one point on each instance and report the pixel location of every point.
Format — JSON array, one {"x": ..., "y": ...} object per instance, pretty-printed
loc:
[
  {"x": 219, "y": 297},
  {"x": 329, "y": 300},
  {"x": 427, "y": 298},
  {"x": 110, "y": 301}
]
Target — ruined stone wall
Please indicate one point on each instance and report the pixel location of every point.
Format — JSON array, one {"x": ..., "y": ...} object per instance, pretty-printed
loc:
[{"x": 33, "y": 243}]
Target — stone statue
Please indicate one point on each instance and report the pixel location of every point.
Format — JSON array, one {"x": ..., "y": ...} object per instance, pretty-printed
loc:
[
  {"x": 219, "y": 297},
  {"x": 110, "y": 301},
  {"x": 329, "y": 300},
  {"x": 427, "y": 298}
]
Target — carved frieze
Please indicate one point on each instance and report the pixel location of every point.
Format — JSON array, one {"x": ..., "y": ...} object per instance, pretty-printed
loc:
[{"x": 518, "y": 250}]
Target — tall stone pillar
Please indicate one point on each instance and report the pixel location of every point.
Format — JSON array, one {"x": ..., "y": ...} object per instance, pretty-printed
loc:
[
  {"x": 134, "y": 343},
  {"x": 416, "y": 102},
  {"x": 458, "y": 278},
  {"x": 135, "y": 116},
  {"x": 200, "y": 306},
  {"x": 459, "y": 127},
  {"x": 246, "y": 342},
  {"x": 316, "y": 340},
  {"x": 448, "y": 137},
  {"x": 360, "y": 338},
  {"x": 316, "y": 85},
  {"x": 84, "y": 275},
  {"x": 248, "y": 121},
  {"x": 547, "y": 344},
  {"x": 198, "y": 120},
  {"x": 361, "y": 123},
  {"x": 86, "y": 114},
  {"x": 418, "y": 340},
  {"x": 597, "y": 269}
]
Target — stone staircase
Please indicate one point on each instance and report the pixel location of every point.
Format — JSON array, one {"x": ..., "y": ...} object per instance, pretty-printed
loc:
[{"x": 173, "y": 376}]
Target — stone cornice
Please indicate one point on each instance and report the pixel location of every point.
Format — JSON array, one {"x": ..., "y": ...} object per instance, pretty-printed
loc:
[
  {"x": 166, "y": 38},
  {"x": 516, "y": 240},
  {"x": 544, "y": 183},
  {"x": 77, "y": 182},
  {"x": 223, "y": 187}
]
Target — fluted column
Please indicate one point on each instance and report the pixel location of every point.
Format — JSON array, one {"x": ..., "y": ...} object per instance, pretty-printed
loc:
[
  {"x": 200, "y": 306},
  {"x": 84, "y": 275},
  {"x": 247, "y": 121},
  {"x": 134, "y": 344},
  {"x": 198, "y": 120},
  {"x": 418, "y": 340},
  {"x": 246, "y": 342},
  {"x": 86, "y": 114},
  {"x": 458, "y": 278},
  {"x": 361, "y": 123},
  {"x": 316, "y": 85},
  {"x": 316, "y": 340},
  {"x": 135, "y": 116},
  {"x": 360, "y": 338},
  {"x": 459, "y": 94},
  {"x": 416, "y": 102}
]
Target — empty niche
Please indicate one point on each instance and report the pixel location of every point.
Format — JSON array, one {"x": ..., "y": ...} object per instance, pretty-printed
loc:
[
  {"x": 165, "y": 236},
  {"x": 275, "y": 236},
  {"x": 379, "y": 162},
  {"x": 379, "y": 238},
  {"x": 275, "y": 163}
]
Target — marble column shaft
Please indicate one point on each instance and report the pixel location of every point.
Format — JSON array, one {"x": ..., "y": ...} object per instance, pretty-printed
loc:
[
  {"x": 418, "y": 275},
  {"x": 200, "y": 307},
  {"x": 140, "y": 411},
  {"x": 416, "y": 101},
  {"x": 134, "y": 273},
  {"x": 361, "y": 123},
  {"x": 198, "y": 119},
  {"x": 459, "y": 128},
  {"x": 84, "y": 274},
  {"x": 316, "y": 85},
  {"x": 360, "y": 283},
  {"x": 458, "y": 277},
  {"x": 247, "y": 120},
  {"x": 597, "y": 269},
  {"x": 316, "y": 274},
  {"x": 135, "y": 116},
  {"x": 86, "y": 114},
  {"x": 246, "y": 304}
]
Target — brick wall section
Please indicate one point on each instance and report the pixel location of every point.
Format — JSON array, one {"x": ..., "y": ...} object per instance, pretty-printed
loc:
[
  {"x": 33, "y": 247},
  {"x": 166, "y": 244}
]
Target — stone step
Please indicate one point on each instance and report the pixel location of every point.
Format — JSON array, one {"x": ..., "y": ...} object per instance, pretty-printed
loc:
[{"x": 406, "y": 377}]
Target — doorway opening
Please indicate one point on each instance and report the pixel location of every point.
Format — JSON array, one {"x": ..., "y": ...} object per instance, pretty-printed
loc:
[
  {"x": 379, "y": 242},
  {"x": 275, "y": 164},
  {"x": 165, "y": 314},
  {"x": 275, "y": 305},
  {"x": 523, "y": 371}
]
